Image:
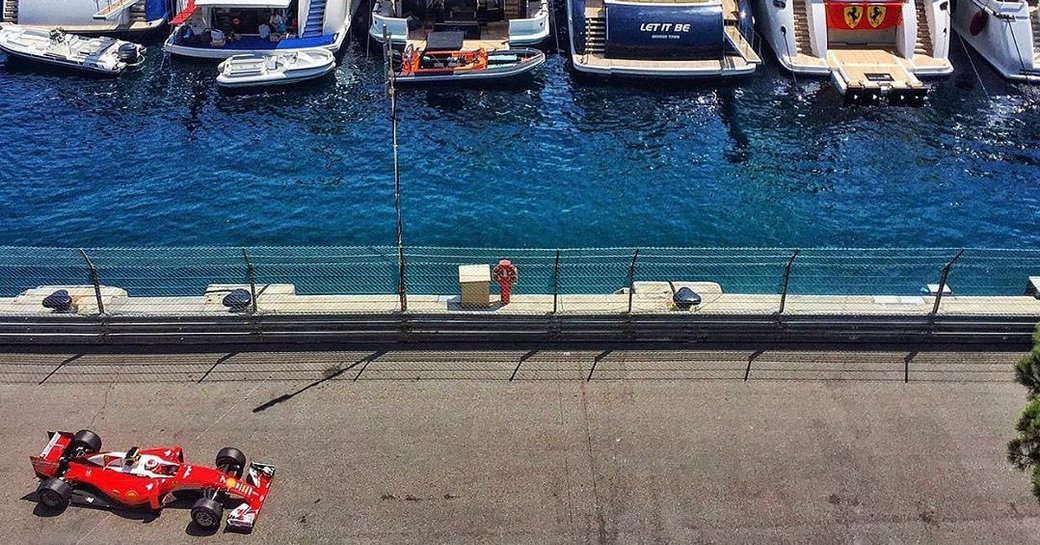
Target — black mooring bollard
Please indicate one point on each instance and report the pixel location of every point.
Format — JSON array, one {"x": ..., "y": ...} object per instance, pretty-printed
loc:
[
  {"x": 59, "y": 301},
  {"x": 238, "y": 300}
]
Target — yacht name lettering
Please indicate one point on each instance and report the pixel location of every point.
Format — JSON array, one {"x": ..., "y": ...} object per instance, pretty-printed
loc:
[{"x": 665, "y": 27}]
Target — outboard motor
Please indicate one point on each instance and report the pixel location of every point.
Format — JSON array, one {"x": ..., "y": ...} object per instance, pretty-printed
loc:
[{"x": 129, "y": 54}]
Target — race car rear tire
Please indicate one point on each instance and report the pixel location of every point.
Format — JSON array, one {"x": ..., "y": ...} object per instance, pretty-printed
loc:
[
  {"x": 206, "y": 513},
  {"x": 86, "y": 441},
  {"x": 54, "y": 494},
  {"x": 231, "y": 460}
]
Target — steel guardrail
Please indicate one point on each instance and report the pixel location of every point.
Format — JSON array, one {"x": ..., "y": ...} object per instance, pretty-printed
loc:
[{"x": 1013, "y": 332}]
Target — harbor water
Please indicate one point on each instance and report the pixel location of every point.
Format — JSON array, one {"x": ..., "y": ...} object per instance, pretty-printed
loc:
[{"x": 159, "y": 157}]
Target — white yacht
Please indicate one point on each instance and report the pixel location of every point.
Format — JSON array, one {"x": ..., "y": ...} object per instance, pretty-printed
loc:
[
  {"x": 870, "y": 50},
  {"x": 662, "y": 38},
  {"x": 91, "y": 17},
  {"x": 1006, "y": 34},
  {"x": 218, "y": 29},
  {"x": 491, "y": 24}
]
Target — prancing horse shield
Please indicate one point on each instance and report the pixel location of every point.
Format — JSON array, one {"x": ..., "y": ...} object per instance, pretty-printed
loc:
[
  {"x": 853, "y": 15},
  {"x": 876, "y": 15}
]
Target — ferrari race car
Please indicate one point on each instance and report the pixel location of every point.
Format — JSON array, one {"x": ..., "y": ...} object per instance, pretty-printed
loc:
[{"x": 73, "y": 468}]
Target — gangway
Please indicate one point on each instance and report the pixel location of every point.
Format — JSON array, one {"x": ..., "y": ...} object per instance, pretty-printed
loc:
[
  {"x": 113, "y": 9},
  {"x": 741, "y": 45},
  {"x": 864, "y": 76}
]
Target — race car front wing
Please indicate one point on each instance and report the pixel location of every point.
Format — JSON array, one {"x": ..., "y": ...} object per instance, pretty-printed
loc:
[{"x": 259, "y": 477}]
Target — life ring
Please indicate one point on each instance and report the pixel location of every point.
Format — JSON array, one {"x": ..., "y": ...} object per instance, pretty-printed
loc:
[{"x": 978, "y": 23}]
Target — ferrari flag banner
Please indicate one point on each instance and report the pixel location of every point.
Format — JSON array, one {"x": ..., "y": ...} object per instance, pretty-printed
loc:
[{"x": 845, "y": 16}]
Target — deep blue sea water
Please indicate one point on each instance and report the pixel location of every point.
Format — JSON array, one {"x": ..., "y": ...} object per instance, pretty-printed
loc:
[{"x": 161, "y": 158}]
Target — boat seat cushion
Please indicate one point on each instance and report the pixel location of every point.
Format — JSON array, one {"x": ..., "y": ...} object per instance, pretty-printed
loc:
[{"x": 445, "y": 40}]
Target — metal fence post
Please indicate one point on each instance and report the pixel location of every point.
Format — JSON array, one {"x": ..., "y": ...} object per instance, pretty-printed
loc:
[
  {"x": 942, "y": 281},
  {"x": 251, "y": 275},
  {"x": 556, "y": 281},
  {"x": 402, "y": 290},
  {"x": 632, "y": 279},
  {"x": 95, "y": 280},
  {"x": 787, "y": 279}
]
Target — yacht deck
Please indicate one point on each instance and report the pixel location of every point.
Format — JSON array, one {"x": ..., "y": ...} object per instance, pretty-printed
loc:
[
  {"x": 863, "y": 67},
  {"x": 494, "y": 35},
  {"x": 729, "y": 63}
]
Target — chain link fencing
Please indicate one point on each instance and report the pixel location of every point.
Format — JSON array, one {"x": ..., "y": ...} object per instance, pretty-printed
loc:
[{"x": 606, "y": 281}]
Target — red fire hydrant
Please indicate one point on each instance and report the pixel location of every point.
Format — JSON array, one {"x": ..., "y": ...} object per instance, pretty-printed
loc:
[{"x": 505, "y": 275}]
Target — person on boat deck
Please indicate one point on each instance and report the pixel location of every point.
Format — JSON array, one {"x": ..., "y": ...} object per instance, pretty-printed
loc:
[
  {"x": 196, "y": 31},
  {"x": 236, "y": 29},
  {"x": 265, "y": 31},
  {"x": 278, "y": 27}
]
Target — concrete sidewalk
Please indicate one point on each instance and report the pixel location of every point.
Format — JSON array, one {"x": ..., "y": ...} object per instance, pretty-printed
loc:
[{"x": 442, "y": 447}]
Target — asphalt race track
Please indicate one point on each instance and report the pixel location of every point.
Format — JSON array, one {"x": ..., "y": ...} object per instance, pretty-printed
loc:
[{"x": 544, "y": 447}]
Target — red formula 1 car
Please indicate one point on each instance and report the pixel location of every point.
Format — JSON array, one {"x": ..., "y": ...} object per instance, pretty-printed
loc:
[{"x": 73, "y": 468}]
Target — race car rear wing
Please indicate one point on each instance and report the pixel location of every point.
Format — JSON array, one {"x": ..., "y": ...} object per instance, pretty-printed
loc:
[
  {"x": 258, "y": 478},
  {"x": 47, "y": 464}
]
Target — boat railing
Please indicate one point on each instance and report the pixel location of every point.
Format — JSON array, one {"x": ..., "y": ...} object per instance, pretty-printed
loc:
[{"x": 535, "y": 25}]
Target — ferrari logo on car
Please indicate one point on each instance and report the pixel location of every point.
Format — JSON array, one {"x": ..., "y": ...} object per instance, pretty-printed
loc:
[
  {"x": 231, "y": 482},
  {"x": 853, "y": 15},
  {"x": 876, "y": 15}
]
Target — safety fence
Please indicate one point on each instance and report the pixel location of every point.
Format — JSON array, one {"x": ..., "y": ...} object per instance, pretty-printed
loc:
[{"x": 380, "y": 279}]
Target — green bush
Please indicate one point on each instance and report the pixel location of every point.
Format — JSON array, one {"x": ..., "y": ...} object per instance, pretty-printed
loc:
[
  {"x": 1023, "y": 451},
  {"x": 1027, "y": 372}
]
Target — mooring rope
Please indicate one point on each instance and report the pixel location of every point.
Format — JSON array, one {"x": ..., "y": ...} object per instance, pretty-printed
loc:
[{"x": 970, "y": 61}]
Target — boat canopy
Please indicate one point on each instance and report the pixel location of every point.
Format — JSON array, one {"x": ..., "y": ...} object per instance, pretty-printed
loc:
[{"x": 243, "y": 3}]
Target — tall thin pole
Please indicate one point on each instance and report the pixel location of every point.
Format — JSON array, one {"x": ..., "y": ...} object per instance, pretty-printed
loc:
[
  {"x": 632, "y": 279},
  {"x": 942, "y": 281},
  {"x": 786, "y": 281},
  {"x": 391, "y": 89}
]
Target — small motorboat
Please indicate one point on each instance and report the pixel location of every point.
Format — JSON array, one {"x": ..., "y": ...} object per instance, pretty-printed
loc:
[
  {"x": 103, "y": 56},
  {"x": 251, "y": 70},
  {"x": 477, "y": 64}
]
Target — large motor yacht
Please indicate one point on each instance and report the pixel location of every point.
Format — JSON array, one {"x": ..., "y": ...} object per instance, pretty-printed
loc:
[
  {"x": 218, "y": 29},
  {"x": 1006, "y": 34},
  {"x": 488, "y": 24},
  {"x": 662, "y": 38},
  {"x": 869, "y": 49},
  {"x": 90, "y": 17}
]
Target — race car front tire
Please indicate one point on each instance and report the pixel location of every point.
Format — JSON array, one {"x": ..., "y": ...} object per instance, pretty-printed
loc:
[
  {"x": 54, "y": 494},
  {"x": 231, "y": 460},
  {"x": 206, "y": 513},
  {"x": 86, "y": 441}
]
